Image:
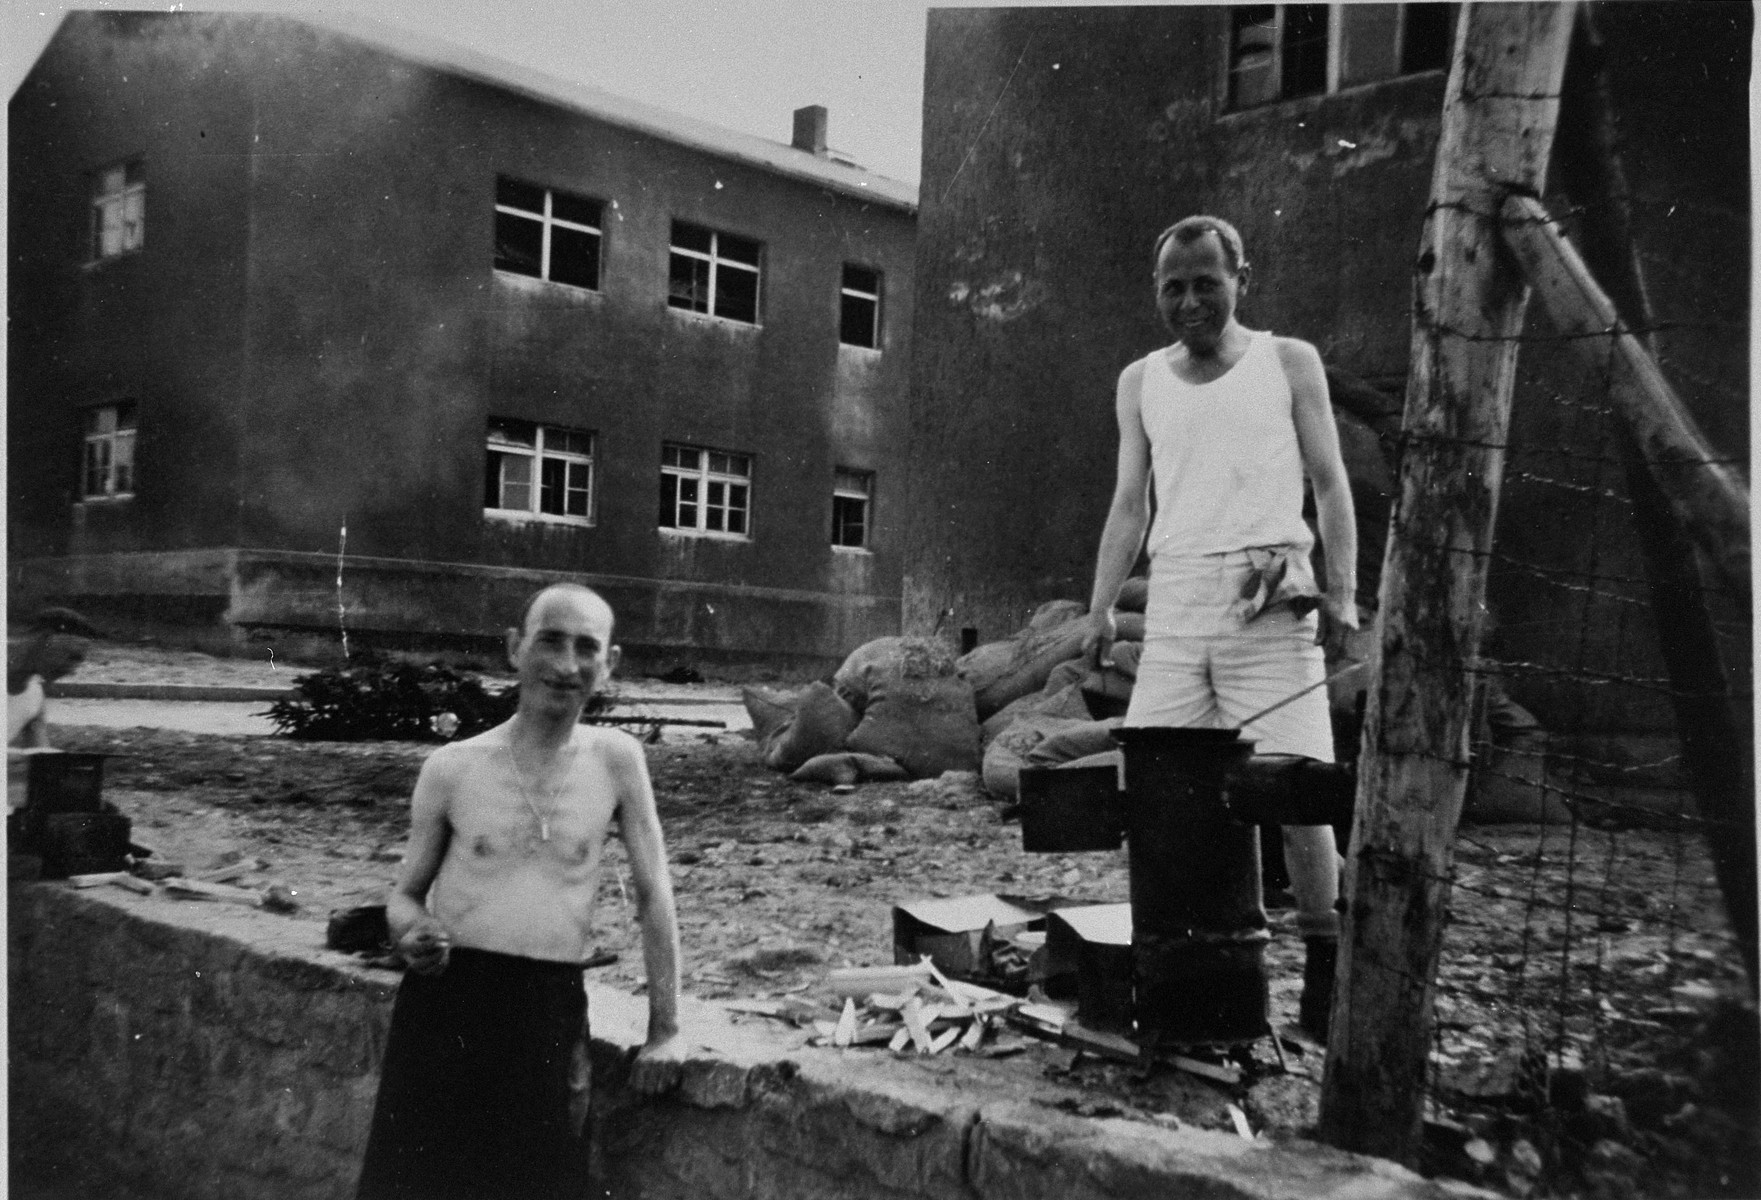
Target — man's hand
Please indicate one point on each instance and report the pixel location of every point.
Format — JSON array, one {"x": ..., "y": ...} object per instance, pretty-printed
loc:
[
  {"x": 425, "y": 947},
  {"x": 1097, "y": 643},
  {"x": 1338, "y": 621},
  {"x": 656, "y": 1068}
]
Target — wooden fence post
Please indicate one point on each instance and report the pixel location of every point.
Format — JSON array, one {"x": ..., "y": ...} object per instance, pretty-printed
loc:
[{"x": 1499, "y": 112}]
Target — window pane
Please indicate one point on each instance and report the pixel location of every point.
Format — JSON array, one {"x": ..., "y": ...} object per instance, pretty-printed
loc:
[
  {"x": 551, "y": 479},
  {"x": 1425, "y": 41},
  {"x": 1367, "y": 35},
  {"x": 1304, "y": 49},
  {"x": 574, "y": 257},
  {"x": 848, "y": 520},
  {"x": 712, "y": 519},
  {"x": 718, "y": 462},
  {"x": 736, "y": 294},
  {"x": 124, "y": 416},
  {"x": 134, "y": 226},
  {"x": 492, "y": 479},
  {"x": 737, "y": 496},
  {"x": 513, "y": 433},
  {"x": 516, "y": 482},
  {"x": 122, "y": 462},
  {"x": 669, "y": 500},
  {"x": 742, "y": 250},
  {"x": 687, "y": 490},
  {"x": 691, "y": 237},
  {"x": 687, "y": 515},
  {"x": 861, "y": 279},
  {"x": 739, "y": 464},
  {"x": 519, "y": 195},
  {"x": 850, "y": 481},
  {"x": 718, "y": 491},
  {"x": 737, "y": 520},
  {"x": 574, "y": 208},
  {"x": 97, "y": 467},
  {"x": 519, "y": 244},
  {"x": 688, "y": 283},
  {"x": 1252, "y": 78},
  {"x": 857, "y": 324},
  {"x": 571, "y": 441},
  {"x": 110, "y": 229},
  {"x": 580, "y": 488},
  {"x": 111, "y": 180}
]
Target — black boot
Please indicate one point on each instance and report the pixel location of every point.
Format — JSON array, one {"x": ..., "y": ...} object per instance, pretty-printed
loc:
[{"x": 1315, "y": 1010}]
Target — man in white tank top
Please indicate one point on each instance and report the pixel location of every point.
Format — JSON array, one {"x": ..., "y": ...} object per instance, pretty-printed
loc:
[{"x": 1221, "y": 427}]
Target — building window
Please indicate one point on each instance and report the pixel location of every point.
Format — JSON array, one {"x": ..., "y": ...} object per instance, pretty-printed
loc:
[
  {"x": 542, "y": 471},
  {"x": 119, "y": 210},
  {"x": 859, "y": 307},
  {"x": 1280, "y": 51},
  {"x": 546, "y": 234},
  {"x": 714, "y": 273},
  {"x": 852, "y": 492},
  {"x": 705, "y": 491},
  {"x": 108, "y": 465}
]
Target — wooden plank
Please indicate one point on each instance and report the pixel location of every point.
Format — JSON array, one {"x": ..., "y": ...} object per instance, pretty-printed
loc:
[
  {"x": 1500, "y": 107},
  {"x": 1707, "y": 497}
]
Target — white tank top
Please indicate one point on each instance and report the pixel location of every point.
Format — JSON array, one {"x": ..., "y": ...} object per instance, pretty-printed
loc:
[{"x": 1227, "y": 468}]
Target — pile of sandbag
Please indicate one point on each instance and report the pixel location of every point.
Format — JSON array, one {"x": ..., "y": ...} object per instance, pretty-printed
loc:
[
  {"x": 1042, "y": 703},
  {"x": 896, "y": 709},
  {"x": 905, "y": 708}
]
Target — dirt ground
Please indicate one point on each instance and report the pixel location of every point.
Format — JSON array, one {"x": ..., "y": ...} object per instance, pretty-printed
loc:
[{"x": 780, "y": 882}]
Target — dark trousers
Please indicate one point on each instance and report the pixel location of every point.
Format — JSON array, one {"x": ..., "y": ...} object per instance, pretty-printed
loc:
[{"x": 475, "y": 1091}]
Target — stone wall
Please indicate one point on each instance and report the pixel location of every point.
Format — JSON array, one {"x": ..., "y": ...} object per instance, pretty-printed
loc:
[{"x": 208, "y": 1053}]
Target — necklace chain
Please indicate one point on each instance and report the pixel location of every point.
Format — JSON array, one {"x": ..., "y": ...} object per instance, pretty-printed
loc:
[{"x": 543, "y": 818}]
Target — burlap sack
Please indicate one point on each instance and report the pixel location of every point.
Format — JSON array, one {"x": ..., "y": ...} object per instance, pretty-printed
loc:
[
  {"x": 997, "y": 677},
  {"x": 1134, "y": 595},
  {"x": 890, "y": 658},
  {"x": 926, "y": 725},
  {"x": 849, "y": 768},
  {"x": 1068, "y": 745},
  {"x": 769, "y": 709},
  {"x": 1126, "y": 658},
  {"x": 1008, "y": 753},
  {"x": 1052, "y": 614},
  {"x": 1065, "y": 701},
  {"x": 821, "y": 722},
  {"x": 1128, "y": 627}
]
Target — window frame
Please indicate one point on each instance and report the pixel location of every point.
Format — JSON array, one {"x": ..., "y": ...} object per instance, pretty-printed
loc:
[
  {"x": 717, "y": 260},
  {"x": 541, "y": 452},
  {"x": 842, "y": 489},
  {"x": 107, "y": 442},
  {"x": 548, "y": 222},
  {"x": 705, "y": 478},
  {"x": 1337, "y": 33},
  {"x": 101, "y": 202},
  {"x": 847, "y": 294}
]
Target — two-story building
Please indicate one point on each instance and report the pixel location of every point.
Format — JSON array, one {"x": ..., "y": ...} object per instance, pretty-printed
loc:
[{"x": 322, "y": 324}]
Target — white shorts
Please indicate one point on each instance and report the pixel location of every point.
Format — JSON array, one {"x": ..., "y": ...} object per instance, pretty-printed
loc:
[{"x": 1204, "y": 668}]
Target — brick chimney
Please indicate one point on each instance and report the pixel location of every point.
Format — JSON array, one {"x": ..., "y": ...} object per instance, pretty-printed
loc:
[{"x": 810, "y": 129}]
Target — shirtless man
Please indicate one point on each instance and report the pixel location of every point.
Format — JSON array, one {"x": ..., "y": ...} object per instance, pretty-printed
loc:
[
  {"x": 1225, "y": 423},
  {"x": 479, "y": 1093}
]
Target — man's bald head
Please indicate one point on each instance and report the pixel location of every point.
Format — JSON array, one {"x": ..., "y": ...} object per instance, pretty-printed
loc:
[{"x": 593, "y": 601}]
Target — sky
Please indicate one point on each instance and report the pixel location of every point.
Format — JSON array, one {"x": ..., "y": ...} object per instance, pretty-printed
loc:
[{"x": 742, "y": 64}]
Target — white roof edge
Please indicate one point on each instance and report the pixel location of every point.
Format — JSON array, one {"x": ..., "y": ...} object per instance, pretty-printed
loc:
[{"x": 617, "y": 110}]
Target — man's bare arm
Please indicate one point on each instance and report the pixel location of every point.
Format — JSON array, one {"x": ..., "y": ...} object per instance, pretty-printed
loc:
[
  {"x": 1127, "y": 517},
  {"x": 640, "y": 825},
  {"x": 419, "y": 937},
  {"x": 1318, "y": 438}
]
